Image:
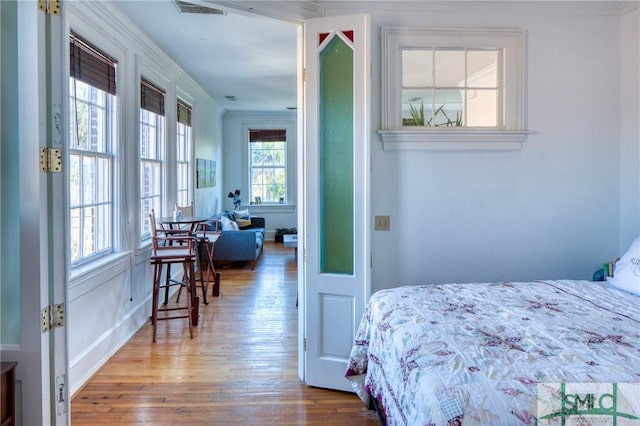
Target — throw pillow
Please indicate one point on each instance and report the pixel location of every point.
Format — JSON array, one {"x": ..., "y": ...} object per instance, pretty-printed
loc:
[
  {"x": 228, "y": 224},
  {"x": 243, "y": 223},
  {"x": 241, "y": 214},
  {"x": 626, "y": 275},
  {"x": 242, "y": 218}
]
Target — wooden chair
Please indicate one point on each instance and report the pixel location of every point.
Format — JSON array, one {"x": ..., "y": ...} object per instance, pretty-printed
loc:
[
  {"x": 185, "y": 210},
  {"x": 165, "y": 253}
]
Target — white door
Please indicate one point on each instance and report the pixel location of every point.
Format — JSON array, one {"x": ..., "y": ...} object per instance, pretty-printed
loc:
[
  {"x": 335, "y": 235},
  {"x": 35, "y": 221}
]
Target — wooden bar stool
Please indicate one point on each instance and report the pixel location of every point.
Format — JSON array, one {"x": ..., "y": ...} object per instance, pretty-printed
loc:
[{"x": 164, "y": 253}]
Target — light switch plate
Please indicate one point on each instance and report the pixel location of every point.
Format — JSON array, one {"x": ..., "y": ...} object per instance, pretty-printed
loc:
[{"x": 382, "y": 223}]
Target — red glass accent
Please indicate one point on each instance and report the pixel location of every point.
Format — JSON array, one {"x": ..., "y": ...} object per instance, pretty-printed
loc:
[{"x": 323, "y": 36}]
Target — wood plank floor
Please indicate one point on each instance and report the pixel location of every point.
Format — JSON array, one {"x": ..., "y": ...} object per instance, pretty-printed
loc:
[{"x": 239, "y": 369}]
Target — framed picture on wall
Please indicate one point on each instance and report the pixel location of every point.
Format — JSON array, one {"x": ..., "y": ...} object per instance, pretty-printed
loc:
[{"x": 205, "y": 173}]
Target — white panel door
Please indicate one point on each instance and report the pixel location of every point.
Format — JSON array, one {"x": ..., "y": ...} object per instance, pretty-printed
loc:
[{"x": 336, "y": 271}]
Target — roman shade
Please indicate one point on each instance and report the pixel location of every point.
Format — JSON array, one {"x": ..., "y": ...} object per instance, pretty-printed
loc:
[
  {"x": 151, "y": 97},
  {"x": 267, "y": 135},
  {"x": 184, "y": 113},
  {"x": 90, "y": 65}
]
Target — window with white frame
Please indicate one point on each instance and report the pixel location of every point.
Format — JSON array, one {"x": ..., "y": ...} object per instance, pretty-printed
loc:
[
  {"x": 444, "y": 87},
  {"x": 184, "y": 147},
  {"x": 92, "y": 124},
  {"x": 152, "y": 145},
  {"x": 268, "y": 165},
  {"x": 452, "y": 85}
]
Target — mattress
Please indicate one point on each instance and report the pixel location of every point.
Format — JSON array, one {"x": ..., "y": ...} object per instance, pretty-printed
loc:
[{"x": 475, "y": 353}]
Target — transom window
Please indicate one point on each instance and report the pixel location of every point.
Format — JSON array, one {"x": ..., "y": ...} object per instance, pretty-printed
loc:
[
  {"x": 268, "y": 165},
  {"x": 184, "y": 147},
  {"x": 152, "y": 145},
  {"x": 92, "y": 129},
  {"x": 443, "y": 86},
  {"x": 451, "y": 87}
]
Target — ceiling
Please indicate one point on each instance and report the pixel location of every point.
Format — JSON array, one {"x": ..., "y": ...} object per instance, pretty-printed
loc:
[
  {"x": 240, "y": 54},
  {"x": 249, "y": 52}
]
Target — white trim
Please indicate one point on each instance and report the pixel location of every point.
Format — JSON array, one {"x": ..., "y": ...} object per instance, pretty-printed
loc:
[
  {"x": 452, "y": 140},
  {"x": 105, "y": 346},
  {"x": 269, "y": 208}
]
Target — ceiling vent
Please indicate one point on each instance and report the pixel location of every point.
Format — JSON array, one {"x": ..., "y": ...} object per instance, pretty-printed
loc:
[{"x": 186, "y": 7}]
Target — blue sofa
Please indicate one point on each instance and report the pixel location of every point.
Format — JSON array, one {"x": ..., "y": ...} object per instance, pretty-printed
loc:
[{"x": 243, "y": 245}]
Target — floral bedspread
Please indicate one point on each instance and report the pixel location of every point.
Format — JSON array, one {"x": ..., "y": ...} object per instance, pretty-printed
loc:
[{"x": 474, "y": 353}]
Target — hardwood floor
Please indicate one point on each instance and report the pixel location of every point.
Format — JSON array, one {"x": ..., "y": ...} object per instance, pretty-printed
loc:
[{"x": 240, "y": 368}]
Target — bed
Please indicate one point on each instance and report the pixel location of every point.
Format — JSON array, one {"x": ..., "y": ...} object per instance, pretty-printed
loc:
[{"x": 476, "y": 353}]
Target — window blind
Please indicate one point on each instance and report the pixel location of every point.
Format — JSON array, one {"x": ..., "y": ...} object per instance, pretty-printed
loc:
[
  {"x": 151, "y": 97},
  {"x": 267, "y": 135},
  {"x": 184, "y": 113},
  {"x": 90, "y": 65}
]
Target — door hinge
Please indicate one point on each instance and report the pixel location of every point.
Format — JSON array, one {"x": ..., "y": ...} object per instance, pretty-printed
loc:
[
  {"x": 52, "y": 316},
  {"x": 304, "y": 75},
  {"x": 304, "y": 344},
  {"x": 50, "y": 160},
  {"x": 49, "y": 7}
]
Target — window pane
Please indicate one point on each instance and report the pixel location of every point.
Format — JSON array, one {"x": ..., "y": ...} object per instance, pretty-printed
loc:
[
  {"x": 74, "y": 228},
  {"x": 417, "y": 68},
  {"x": 449, "y": 68},
  {"x": 79, "y": 124},
  {"x": 482, "y": 68},
  {"x": 183, "y": 169},
  {"x": 149, "y": 178},
  {"x": 447, "y": 108},
  {"x": 413, "y": 101},
  {"x": 103, "y": 229},
  {"x": 482, "y": 108},
  {"x": 184, "y": 165},
  {"x": 88, "y": 232},
  {"x": 279, "y": 157},
  {"x": 104, "y": 180},
  {"x": 74, "y": 180},
  {"x": 88, "y": 180},
  {"x": 146, "y": 205}
]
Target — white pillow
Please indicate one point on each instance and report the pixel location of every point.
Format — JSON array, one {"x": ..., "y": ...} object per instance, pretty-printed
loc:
[
  {"x": 228, "y": 224},
  {"x": 626, "y": 275},
  {"x": 241, "y": 214},
  {"x": 242, "y": 217}
]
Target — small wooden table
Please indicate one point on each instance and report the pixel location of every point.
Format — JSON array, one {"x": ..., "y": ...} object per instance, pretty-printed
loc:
[
  {"x": 291, "y": 240},
  {"x": 204, "y": 251},
  {"x": 174, "y": 222}
]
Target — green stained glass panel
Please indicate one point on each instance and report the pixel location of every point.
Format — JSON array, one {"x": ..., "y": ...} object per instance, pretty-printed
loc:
[{"x": 336, "y": 158}]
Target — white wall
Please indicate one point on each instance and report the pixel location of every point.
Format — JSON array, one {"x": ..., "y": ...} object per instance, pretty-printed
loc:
[
  {"x": 236, "y": 170},
  {"x": 549, "y": 211},
  {"x": 630, "y": 126},
  {"x": 108, "y": 303}
]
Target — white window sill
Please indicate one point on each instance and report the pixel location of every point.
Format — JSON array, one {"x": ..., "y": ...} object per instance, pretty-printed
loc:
[
  {"x": 269, "y": 208},
  {"x": 453, "y": 140}
]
